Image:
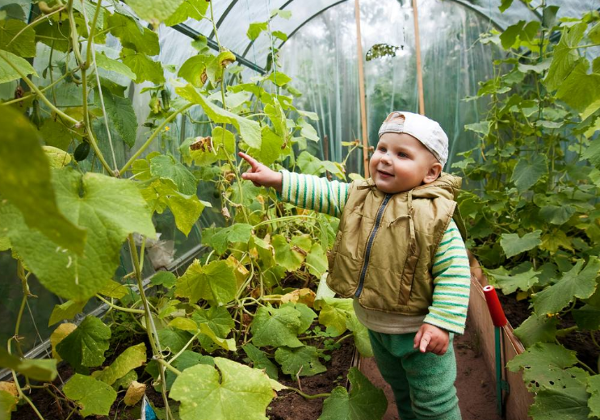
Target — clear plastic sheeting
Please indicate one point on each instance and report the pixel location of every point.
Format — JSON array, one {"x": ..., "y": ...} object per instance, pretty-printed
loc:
[{"x": 322, "y": 60}]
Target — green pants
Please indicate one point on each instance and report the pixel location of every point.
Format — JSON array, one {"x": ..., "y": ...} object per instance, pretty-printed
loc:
[{"x": 423, "y": 383}]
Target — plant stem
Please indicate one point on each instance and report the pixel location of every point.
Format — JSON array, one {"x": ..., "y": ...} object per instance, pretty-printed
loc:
[
  {"x": 92, "y": 29},
  {"x": 283, "y": 219},
  {"x": 152, "y": 137},
  {"x": 168, "y": 366},
  {"x": 120, "y": 308},
  {"x": 34, "y": 88},
  {"x": 33, "y": 24},
  {"x": 309, "y": 397},
  {"x": 152, "y": 335}
]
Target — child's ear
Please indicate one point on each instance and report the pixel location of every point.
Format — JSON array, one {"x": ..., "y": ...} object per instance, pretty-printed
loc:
[{"x": 433, "y": 173}]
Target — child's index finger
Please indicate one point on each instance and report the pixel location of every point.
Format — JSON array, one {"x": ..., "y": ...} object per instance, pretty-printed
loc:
[{"x": 253, "y": 162}]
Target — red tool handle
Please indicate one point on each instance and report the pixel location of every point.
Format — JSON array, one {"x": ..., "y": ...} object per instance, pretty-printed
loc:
[{"x": 498, "y": 317}]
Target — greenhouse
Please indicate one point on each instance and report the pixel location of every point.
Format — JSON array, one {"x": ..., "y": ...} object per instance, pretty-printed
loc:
[{"x": 194, "y": 218}]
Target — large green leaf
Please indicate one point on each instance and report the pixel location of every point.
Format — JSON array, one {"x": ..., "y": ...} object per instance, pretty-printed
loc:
[
  {"x": 361, "y": 336},
  {"x": 316, "y": 260},
  {"x": 144, "y": 68},
  {"x": 526, "y": 173},
  {"x": 565, "y": 56},
  {"x": 364, "y": 402},
  {"x": 154, "y": 11},
  {"x": 536, "y": 329},
  {"x": 133, "y": 357},
  {"x": 548, "y": 366},
  {"x": 109, "y": 64},
  {"x": 66, "y": 310},
  {"x": 567, "y": 404},
  {"x": 109, "y": 208},
  {"x": 214, "y": 282},
  {"x": 186, "y": 210},
  {"x": 25, "y": 181},
  {"x": 276, "y": 327},
  {"x": 271, "y": 145},
  {"x": 194, "y": 9},
  {"x": 8, "y": 73},
  {"x": 261, "y": 361},
  {"x": 133, "y": 35},
  {"x": 40, "y": 370},
  {"x": 594, "y": 389},
  {"x": 334, "y": 314},
  {"x": 513, "y": 245},
  {"x": 301, "y": 361},
  {"x": 232, "y": 392},
  {"x": 86, "y": 345},
  {"x": 557, "y": 215},
  {"x": 217, "y": 318},
  {"x": 248, "y": 129},
  {"x": 255, "y": 29},
  {"x": 576, "y": 283},
  {"x": 219, "y": 238},
  {"x": 581, "y": 90},
  {"x": 22, "y": 45},
  {"x": 285, "y": 255},
  {"x": 511, "y": 283},
  {"x": 166, "y": 167},
  {"x": 92, "y": 396},
  {"x": 121, "y": 116}
]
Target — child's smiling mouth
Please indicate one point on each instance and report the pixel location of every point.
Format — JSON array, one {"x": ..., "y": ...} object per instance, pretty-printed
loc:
[{"x": 384, "y": 174}]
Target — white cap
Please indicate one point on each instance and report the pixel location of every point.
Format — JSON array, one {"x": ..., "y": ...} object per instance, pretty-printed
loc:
[{"x": 427, "y": 131}]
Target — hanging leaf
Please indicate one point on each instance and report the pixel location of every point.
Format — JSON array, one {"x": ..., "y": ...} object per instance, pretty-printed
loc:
[
  {"x": 232, "y": 392},
  {"x": 133, "y": 357},
  {"x": 526, "y": 174},
  {"x": 285, "y": 255},
  {"x": 40, "y": 370},
  {"x": 134, "y": 393},
  {"x": 276, "y": 327},
  {"x": 576, "y": 283},
  {"x": 256, "y": 29},
  {"x": 193, "y": 69},
  {"x": 67, "y": 310},
  {"x": 166, "y": 167},
  {"x": 249, "y": 130},
  {"x": 109, "y": 64},
  {"x": 26, "y": 169},
  {"x": 92, "y": 396},
  {"x": 164, "y": 278},
  {"x": 121, "y": 115},
  {"x": 8, "y": 403},
  {"x": 219, "y": 238},
  {"x": 144, "y": 68},
  {"x": 334, "y": 314},
  {"x": 565, "y": 56},
  {"x": 214, "y": 282},
  {"x": 14, "y": 38},
  {"x": 133, "y": 35},
  {"x": 8, "y": 73},
  {"x": 513, "y": 245},
  {"x": 110, "y": 208},
  {"x": 154, "y": 11},
  {"x": 364, "y": 402},
  {"x": 194, "y": 9},
  {"x": 217, "y": 318},
  {"x": 86, "y": 345},
  {"x": 361, "y": 336}
]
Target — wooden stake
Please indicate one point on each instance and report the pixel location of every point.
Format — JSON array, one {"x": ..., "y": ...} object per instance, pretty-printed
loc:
[
  {"x": 361, "y": 90},
  {"x": 419, "y": 65}
]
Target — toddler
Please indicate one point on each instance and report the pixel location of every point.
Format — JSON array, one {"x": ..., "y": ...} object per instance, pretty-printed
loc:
[{"x": 399, "y": 255}]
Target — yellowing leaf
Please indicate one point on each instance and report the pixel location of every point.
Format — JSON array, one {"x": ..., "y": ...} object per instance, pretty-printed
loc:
[
  {"x": 134, "y": 393},
  {"x": 133, "y": 357},
  {"x": 305, "y": 296},
  {"x": 57, "y": 157},
  {"x": 9, "y": 387}
]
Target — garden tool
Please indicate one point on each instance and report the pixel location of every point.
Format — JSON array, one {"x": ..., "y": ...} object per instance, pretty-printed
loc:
[{"x": 499, "y": 321}]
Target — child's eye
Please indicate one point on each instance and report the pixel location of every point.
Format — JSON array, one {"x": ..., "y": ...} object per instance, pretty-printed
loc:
[
  {"x": 381, "y": 149},
  {"x": 402, "y": 155}
]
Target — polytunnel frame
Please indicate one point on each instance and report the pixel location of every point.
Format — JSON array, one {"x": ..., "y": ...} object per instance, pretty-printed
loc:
[{"x": 241, "y": 58}]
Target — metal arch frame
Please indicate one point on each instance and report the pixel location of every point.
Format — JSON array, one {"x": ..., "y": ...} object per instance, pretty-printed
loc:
[{"x": 241, "y": 58}]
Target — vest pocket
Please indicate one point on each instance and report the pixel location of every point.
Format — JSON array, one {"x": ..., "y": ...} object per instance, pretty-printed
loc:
[{"x": 406, "y": 282}]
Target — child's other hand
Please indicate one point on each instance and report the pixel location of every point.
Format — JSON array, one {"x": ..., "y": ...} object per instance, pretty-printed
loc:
[
  {"x": 260, "y": 174},
  {"x": 432, "y": 339}
]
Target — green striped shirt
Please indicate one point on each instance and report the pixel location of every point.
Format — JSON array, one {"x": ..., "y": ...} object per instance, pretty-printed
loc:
[{"x": 450, "y": 271}]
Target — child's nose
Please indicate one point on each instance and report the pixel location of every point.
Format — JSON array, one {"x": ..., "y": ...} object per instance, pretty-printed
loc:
[{"x": 386, "y": 157}]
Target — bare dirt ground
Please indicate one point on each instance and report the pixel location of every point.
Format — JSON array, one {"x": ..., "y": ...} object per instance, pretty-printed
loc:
[{"x": 475, "y": 385}]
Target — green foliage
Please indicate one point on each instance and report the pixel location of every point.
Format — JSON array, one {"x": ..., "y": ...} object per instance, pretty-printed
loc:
[
  {"x": 80, "y": 176},
  {"x": 531, "y": 196}
]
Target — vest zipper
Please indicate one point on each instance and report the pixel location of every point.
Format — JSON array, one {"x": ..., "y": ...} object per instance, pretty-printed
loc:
[{"x": 363, "y": 271}]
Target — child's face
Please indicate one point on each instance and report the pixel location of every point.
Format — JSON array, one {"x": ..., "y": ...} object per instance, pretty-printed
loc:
[{"x": 401, "y": 163}]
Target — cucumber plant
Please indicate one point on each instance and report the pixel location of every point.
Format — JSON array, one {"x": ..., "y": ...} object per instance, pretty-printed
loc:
[{"x": 81, "y": 181}]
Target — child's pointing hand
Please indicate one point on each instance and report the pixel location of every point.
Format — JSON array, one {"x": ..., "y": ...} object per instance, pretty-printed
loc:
[{"x": 260, "y": 174}]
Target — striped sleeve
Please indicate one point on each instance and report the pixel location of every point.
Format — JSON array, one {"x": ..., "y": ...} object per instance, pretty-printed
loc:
[
  {"x": 451, "y": 282},
  {"x": 314, "y": 193}
]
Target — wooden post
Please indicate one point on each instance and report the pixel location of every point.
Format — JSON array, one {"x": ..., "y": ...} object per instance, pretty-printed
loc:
[
  {"x": 419, "y": 64},
  {"x": 361, "y": 90}
]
